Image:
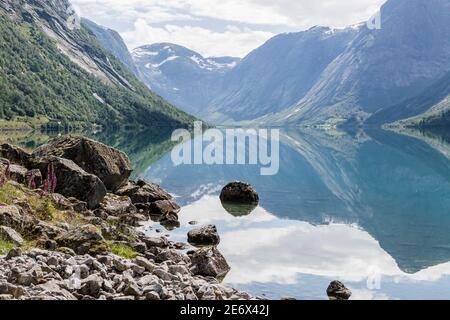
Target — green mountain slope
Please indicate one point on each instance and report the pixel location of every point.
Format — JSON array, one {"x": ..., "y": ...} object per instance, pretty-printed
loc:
[{"x": 47, "y": 69}]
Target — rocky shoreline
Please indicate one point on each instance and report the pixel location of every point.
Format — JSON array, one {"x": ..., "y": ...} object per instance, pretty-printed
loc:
[{"x": 68, "y": 230}]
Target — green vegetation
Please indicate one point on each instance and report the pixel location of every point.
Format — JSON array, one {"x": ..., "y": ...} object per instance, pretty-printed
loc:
[
  {"x": 44, "y": 208},
  {"x": 40, "y": 85},
  {"x": 8, "y": 192},
  {"x": 5, "y": 247},
  {"x": 122, "y": 250}
]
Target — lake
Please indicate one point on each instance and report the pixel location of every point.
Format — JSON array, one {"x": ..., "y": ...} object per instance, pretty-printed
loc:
[{"x": 370, "y": 208}]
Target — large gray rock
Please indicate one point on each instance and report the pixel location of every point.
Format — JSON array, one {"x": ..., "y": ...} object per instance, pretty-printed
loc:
[
  {"x": 239, "y": 192},
  {"x": 55, "y": 289},
  {"x": 205, "y": 236},
  {"x": 111, "y": 165},
  {"x": 18, "y": 173},
  {"x": 115, "y": 205},
  {"x": 11, "y": 235},
  {"x": 172, "y": 256},
  {"x": 164, "y": 207},
  {"x": 143, "y": 192},
  {"x": 12, "y": 216},
  {"x": 209, "y": 262},
  {"x": 91, "y": 286},
  {"x": 14, "y": 154},
  {"x": 158, "y": 242},
  {"x": 83, "y": 240},
  {"x": 72, "y": 180}
]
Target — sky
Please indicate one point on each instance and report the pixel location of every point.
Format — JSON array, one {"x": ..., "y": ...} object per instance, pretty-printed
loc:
[{"x": 220, "y": 27}]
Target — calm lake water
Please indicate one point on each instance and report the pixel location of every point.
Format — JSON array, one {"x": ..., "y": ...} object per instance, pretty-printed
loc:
[{"x": 369, "y": 208}]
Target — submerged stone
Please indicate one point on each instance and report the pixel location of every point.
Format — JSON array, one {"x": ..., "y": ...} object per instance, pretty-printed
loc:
[{"x": 239, "y": 192}]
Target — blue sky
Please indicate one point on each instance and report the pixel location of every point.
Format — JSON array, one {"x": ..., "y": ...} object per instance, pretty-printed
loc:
[{"x": 220, "y": 27}]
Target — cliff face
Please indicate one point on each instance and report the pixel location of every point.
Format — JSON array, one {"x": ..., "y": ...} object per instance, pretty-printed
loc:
[
  {"x": 113, "y": 42},
  {"x": 58, "y": 21},
  {"x": 52, "y": 66}
]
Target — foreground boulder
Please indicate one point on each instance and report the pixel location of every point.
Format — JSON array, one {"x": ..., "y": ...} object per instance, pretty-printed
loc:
[
  {"x": 142, "y": 192},
  {"x": 111, "y": 165},
  {"x": 13, "y": 217},
  {"x": 239, "y": 192},
  {"x": 115, "y": 205},
  {"x": 83, "y": 240},
  {"x": 18, "y": 173},
  {"x": 209, "y": 262},
  {"x": 14, "y": 154},
  {"x": 10, "y": 235},
  {"x": 71, "y": 180},
  {"x": 338, "y": 291},
  {"x": 164, "y": 208},
  {"x": 206, "y": 236}
]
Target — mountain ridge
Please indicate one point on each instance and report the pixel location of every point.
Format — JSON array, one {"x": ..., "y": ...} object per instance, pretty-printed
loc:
[
  {"x": 182, "y": 76},
  {"x": 64, "y": 75}
]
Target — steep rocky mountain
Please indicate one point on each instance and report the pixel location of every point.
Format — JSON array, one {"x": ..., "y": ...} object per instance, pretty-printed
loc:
[
  {"x": 278, "y": 74},
  {"x": 113, "y": 42},
  {"x": 382, "y": 67},
  {"x": 50, "y": 69},
  {"x": 182, "y": 76}
]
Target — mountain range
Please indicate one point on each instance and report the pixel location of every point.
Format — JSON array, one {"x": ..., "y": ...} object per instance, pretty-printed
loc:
[
  {"x": 321, "y": 76},
  {"x": 398, "y": 74},
  {"x": 55, "y": 72}
]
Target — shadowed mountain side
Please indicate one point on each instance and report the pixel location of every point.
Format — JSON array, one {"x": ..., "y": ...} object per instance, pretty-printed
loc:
[{"x": 421, "y": 103}]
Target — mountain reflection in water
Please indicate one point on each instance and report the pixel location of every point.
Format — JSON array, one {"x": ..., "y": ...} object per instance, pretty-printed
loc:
[{"x": 342, "y": 206}]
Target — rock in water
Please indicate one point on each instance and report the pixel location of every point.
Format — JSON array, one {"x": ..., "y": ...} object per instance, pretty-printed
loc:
[
  {"x": 111, "y": 165},
  {"x": 72, "y": 181},
  {"x": 14, "y": 154},
  {"x": 237, "y": 209},
  {"x": 11, "y": 235},
  {"x": 338, "y": 291},
  {"x": 239, "y": 192},
  {"x": 209, "y": 262},
  {"x": 206, "y": 236}
]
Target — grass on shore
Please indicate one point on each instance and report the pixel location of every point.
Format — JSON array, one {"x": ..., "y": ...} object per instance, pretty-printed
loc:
[
  {"x": 5, "y": 246},
  {"x": 122, "y": 250}
]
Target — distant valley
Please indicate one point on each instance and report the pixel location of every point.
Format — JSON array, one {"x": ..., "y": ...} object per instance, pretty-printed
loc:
[{"x": 318, "y": 77}]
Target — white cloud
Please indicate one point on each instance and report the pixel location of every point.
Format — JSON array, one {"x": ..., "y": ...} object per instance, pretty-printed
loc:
[
  {"x": 234, "y": 41},
  {"x": 168, "y": 19}
]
